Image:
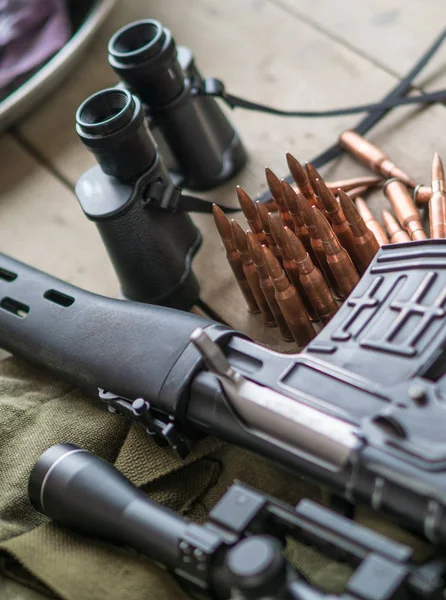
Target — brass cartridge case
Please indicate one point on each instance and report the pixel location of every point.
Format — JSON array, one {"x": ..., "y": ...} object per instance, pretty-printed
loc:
[
  {"x": 249, "y": 210},
  {"x": 422, "y": 194},
  {"x": 306, "y": 212},
  {"x": 366, "y": 243},
  {"x": 290, "y": 304},
  {"x": 437, "y": 203},
  {"x": 404, "y": 208},
  {"x": 396, "y": 234},
  {"x": 372, "y": 223},
  {"x": 337, "y": 258},
  {"x": 263, "y": 213},
  {"x": 275, "y": 187},
  {"x": 336, "y": 217},
  {"x": 370, "y": 155},
  {"x": 267, "y": 286},
  {"x": 288, "y": 264},
  {"x": 312, "y": 279},
  {"x": 251, "y": 275},
  {"x": 234, "y": 258}
]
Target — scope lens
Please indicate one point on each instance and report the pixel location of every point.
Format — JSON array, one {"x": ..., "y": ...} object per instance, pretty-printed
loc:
[
  {"x": 137, "y": 41},
  {"x": 107, "y": 111}
]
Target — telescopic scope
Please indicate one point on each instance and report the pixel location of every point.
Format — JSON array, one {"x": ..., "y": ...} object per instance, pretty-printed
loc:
[
  {"x": 80, "y": 490},
  {"x": 84, "y": 492},
  {"x": 205, "y": 147}
]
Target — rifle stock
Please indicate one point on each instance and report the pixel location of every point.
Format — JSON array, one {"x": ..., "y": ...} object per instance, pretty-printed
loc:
[{"x": 361, "y": 410}]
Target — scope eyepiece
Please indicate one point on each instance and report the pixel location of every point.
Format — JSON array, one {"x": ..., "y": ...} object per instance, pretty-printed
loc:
[
  {"x": 144, "y": 55},
  {"x": 112, "y": 125}
]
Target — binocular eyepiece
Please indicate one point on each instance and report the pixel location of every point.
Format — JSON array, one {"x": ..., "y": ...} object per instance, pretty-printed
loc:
[
  {"x": 111, "y": 123},
  {"x": 144, "y": 55}
]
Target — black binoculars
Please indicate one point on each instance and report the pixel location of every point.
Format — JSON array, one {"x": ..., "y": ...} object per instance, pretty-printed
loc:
[
  {"x": 133, "y": 194},
  {"x": 199, "y": 146}
]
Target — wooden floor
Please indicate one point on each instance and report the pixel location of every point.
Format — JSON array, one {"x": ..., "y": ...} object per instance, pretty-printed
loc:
[{"x": 290, "y": 53}]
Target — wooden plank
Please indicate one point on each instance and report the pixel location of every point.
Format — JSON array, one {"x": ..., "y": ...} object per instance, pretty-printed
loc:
[
  {"x": 42, "y": 224},
  {"x": 393, "y": 33}
]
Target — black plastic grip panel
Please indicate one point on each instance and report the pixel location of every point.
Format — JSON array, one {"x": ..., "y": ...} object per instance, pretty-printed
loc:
[{"x": 89, "y": 340}]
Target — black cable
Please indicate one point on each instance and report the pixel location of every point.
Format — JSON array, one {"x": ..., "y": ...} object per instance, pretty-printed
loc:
[
  {"x": 370, "y": 120},
  {"x": 237, "y": 102}
]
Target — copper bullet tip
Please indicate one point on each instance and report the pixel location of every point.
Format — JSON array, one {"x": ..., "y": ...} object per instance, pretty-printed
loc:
[
  {"x": 222, "y": 223},
  {"x": 277, "y": 230},
  {"x": 295, "y": 246},
  {"x": 364, "y": 210},
  {"x": 349, "y": 209},
  {"x": 305, "y": 210},
  {"x": 322, "y": 226},
  {"x": 313, "y": 174},
  {"x": 241, "y": 240},
  {"x": 272, "y": 264},
  {"x": 296, "y": 170},
  {"x": 274, "y": 184},
  {"x": 255, "y": 248},
  {"x": 263, "y": 213},
  {"x": 290, "y": 197},
  {"x": 246, "y": 203},
  {"x": 326, "y": 196},
  {"x": 437, "y": 168},
  {"x": 395, "y": 232}
]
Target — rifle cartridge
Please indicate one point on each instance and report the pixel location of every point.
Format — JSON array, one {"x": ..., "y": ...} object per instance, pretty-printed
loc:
[
  {"x": 263, "y": 213},
  {"x": 339, "y": 224},
  {"x": 370, "y": 155},
  {"x": 289, "y": 266},
  {"x": 275, "y": 187},
  {"x": 422, "y": 194},
  {"x": 358, "y": 191},
  {"x": 312, "y": 279},
  {"x": 337, "y": 257},
  {"x": 267, "y": 286},
  {"x": 368, "y": 181},
  {"x": 249, "y": 210},
  {"x": 299, "y": 227},
  {"x": 290, "y": 304},
  {"x": 241, "y": 241},
  {"x": 404, "y": 208},
  {"x": 366, "y": 243},
  {"x": 234, "y": 258},
  {"x": 437, "y": 203},
  {"x": 373, "y": 224},
  {"x": 313, "y": 174},
  {"x": 396, "y": 234},
  {"x": 301, "y": 178},
  {"x": 355, "y": 185},
  {"x": 306, "y": 212}
]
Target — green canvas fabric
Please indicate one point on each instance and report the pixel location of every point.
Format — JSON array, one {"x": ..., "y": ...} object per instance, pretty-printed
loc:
[{"x": 39, "y": 559}]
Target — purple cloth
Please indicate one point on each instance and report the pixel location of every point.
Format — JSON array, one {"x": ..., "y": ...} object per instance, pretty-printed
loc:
[{"x": 31, "y": 31}]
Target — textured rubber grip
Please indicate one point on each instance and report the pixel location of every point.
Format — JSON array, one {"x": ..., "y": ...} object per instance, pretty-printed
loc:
[{"x": 89, "y": 340}]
